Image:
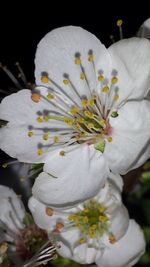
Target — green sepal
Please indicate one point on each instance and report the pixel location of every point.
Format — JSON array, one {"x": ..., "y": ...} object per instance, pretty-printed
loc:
[
  {"x": 28, "y": 219},
  {"x": 114, "y": 114},
  {"x": 100, "y": 146}
]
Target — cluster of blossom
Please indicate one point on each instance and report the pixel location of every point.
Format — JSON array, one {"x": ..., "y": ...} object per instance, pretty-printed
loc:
[{"x": 88, "y": 121}]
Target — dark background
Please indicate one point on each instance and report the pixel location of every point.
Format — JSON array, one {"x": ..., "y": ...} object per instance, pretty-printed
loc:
[{"x": 23, "y": 26}]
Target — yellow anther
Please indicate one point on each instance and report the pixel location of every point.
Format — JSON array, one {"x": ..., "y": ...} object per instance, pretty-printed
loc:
[
  {"x": 35, "y": 97},
  {"x": 85, "y": 219},
  {"x": 112, "y": 239},
  {"x": 56, "y": 139},
  {"x": 44, "y": 79},
  {"x": 40, "y": 151},
  {"x": 82, "y": 76},
  {"x": 114, "y": 80},
  {"x": 116, "y": 97},
  {"x": 50, "y": 96},
  {"x": 77, "y": 61},
  {"x": 45, "y": 136},
  {"x": 90, "y": 125},
  {"x": 66, "y": 81},
  {"x": 39, "y": 119},
  {"x": 84, "y": 102},
  {"x": 109, "y": 139},
  {"x": 93, "y": 227},
  {"x": 78, "y": 225},
  {"x": 91, "y": 102},
  {"x": 103, "y": 218},
  {"x": 68, "y": 121},
  {"x": 102, "y": 209},
  {"x": 105, "y": 89},
  {"x": 86, "y": 210},
  {"x": 100, "y": 77},
  {"x": 119, "y": 22},
  {"x": 103, "y": 123},
  {"x": 49, "y": 211},
  {"x": 77, "y": 125},
  {"x": 92, "y": 233},
  {"x": 30, "y": 133},
  {"x": 62, "y": 153},
  {"x": 90, "y": 58},
  {"x": 59, "y": 225},
  {"x": 74, "y": 110},
  {"x": 72, "y": 217},
  {"x": 88, "y": 114},
  {"x": 94, "y": 97},
  {"x": 82, "y": 240}
]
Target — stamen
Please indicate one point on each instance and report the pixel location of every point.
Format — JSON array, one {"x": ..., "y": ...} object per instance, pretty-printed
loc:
[
  {"x": 40, "y": 151},
  {"x": 119, "y": 24},
  {"x": 62, "y": 153},
  {"x": 45, "y": 136},
  {"x": 100, "y": 78},
  {"x": 35, "y": 97},
  {"x": 112, "y": 239},
  {"x": 30, "y": 133},
  {"x": 44, "y": 79},
  {"x": 82, "y": 76},
  {"x": 66, "y": 81},
  {"x": 49, "y": 211}
]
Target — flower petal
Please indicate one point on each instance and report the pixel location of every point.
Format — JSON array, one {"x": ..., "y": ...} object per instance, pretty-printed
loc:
[
  {"x": 22, "y": 113},
  {"x": 119, "y": 222},
  {"x": 125, "y": 251},
  {"x": 130, "y": 133},
  {"x": 80, "y": 175},
  {"x": 56, "y": 54},
  {"x": 11, "y": 209},
  {"x": 144, "y": 30},
  {"x": 84, "y": 254},
  {"x": 131, "y": 58}
]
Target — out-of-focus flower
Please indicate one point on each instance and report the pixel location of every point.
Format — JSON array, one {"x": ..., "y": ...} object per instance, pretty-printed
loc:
[
  {"x": 144, "y": 30},
  {"x": 83, "y": 110},
  {"x": 97, "y": 230},
  {"x": 18, "y": 232}
]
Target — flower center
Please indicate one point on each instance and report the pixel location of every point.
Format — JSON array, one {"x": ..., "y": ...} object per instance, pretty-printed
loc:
[
  {"x": 87, "y": 116},
  {"x": 91, "y": 221}
]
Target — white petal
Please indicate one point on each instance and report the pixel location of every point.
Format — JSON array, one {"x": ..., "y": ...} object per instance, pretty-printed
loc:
[
  {"x": 64, "y": 250},
  {"x": 80, "y": 174},
  {"x": 38, "y": 211},
  {"x": 84, "y": 254},
  {"x": 22, "y": 114},
  {"x": 131, "y": 58},
  {"x": 56, "y": 54},
  {"x": 144, "y": 31},
  {"x": 130, "y": 133},
  {"x": 126, "y": 251},
  {"x": 119, "y": 222},
  {"x": 11, "y": 209},
  {"x": 117, "y": 180}
]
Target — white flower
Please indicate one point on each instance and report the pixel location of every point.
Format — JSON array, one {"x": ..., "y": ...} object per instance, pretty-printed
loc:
[
  {"x": 17, "y": 228},
  {"x": 97, "y": 230},
  {"x": 144, "y": 30},
  {"x": 87, "y": 112}
]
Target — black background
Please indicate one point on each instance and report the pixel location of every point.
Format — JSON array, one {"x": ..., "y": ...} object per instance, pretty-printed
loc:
[{"x": 22, "y": 26}]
